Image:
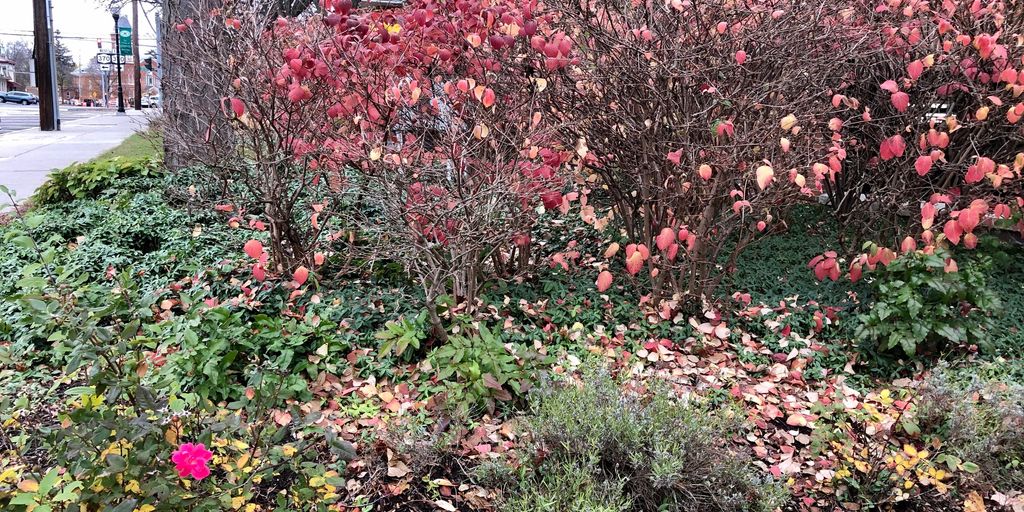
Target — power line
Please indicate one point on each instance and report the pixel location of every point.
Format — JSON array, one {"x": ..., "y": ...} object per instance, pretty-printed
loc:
[{"x": 62, "y": 36}]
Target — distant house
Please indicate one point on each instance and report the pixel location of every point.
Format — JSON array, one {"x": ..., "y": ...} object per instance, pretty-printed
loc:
[{"x": 7, "y": 82}]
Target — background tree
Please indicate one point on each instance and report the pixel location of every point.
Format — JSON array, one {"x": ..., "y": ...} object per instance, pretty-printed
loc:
[
  {"x": 21, "y": 53},
  {"x": 65, "y": 66}
]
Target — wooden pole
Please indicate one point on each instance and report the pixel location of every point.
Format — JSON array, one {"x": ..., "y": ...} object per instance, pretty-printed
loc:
[
  {"x": 44, "y": 70},
  {"x": 135, "y": 53}
]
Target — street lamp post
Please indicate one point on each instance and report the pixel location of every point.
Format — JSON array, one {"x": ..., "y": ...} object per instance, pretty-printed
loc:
[{"x": 116, "y": 12}]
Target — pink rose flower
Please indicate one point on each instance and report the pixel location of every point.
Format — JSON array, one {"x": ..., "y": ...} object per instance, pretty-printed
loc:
[{"x": 191, "y": 459}]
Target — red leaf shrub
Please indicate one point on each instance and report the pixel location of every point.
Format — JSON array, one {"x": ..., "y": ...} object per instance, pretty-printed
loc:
[
  {"x": 942, "y": 131},
  {"x": 704, "y": 118},
  {"x": 429, "y": 114}
]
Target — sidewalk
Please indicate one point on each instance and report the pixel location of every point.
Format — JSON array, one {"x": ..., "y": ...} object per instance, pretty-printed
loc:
[{"x": 28, "y": 156}]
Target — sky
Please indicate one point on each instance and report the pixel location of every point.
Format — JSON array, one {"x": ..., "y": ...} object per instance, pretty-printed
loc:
[{"x": 80, "y": 23}]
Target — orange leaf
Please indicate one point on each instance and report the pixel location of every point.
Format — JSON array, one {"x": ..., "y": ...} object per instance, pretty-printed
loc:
[{"x": 764, "y": 176}]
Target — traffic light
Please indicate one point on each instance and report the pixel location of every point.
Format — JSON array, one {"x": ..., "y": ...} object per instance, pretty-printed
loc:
[{"x": 148, "y": 62}]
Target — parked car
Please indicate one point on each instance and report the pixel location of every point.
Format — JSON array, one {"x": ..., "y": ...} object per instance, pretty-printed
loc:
[
  {"x": 149, "y": 102},
  {"x": 19, "y": 97}
]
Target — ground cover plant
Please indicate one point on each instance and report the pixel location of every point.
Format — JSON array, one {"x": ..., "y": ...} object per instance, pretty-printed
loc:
[{"x": 496, "y": 255}]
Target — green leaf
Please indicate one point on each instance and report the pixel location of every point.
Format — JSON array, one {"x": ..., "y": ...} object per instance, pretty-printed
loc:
[
  {"x": 116, "y": 463},
  {"x": 23, "y": 241},
  {"x": 47, "y": 482},
  {"x": 910, "y": 427},
  {"x": 909, "y": 345},
  {"x": 970, "y": 467},
  {"x": 125, "y": 506},
  {"x": 34, "y": 221},
  {"x": 24, "y": 498}
]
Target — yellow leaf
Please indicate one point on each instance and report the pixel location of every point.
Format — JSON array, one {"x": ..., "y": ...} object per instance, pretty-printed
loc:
[
  {"x": 133, "y": 486},
  {"x": 910, "y": 450},
  {"x": 237, "y": 502},
  {"x": 788, "y": 122},
  {"x": 288, "y": 450},
  {"x": 974, "y": 503},
  {"x": 540, "y": 83}
]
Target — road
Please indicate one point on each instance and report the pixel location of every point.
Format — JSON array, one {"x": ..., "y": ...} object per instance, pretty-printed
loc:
[
  {"x": 27, "y": 156},
  {"x": 15, "y": 117}
]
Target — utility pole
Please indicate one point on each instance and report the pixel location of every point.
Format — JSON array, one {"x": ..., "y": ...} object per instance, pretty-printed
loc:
[
  {"x": 135, "y": 53},
  {"x": 44, "y": 64},
  {"x": 159, "y": 61}
]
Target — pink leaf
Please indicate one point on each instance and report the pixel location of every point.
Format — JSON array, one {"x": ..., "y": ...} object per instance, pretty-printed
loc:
[
  {"x": 968, "y": 219},
  {"x": 923, "y": 164},
  {"x": 675, "y": 156},
  {"x": 237, "y": 107},
  {"x": 488, "y": 98},
  {"x": 927, "y": 215},
  {"x": 634, "y": 263},
  {"x": 900, "y": 100},
  {"x": 741, "y": 57},
  {"x": 604, "y": 281},
  {"x": 893, "y": 147},
  {"x": 725, "y": 129},
  {"x": 704, "y": 171},
  {"x": 253, "y": 249},
  {"x": 914, "y": 69},
  {"x": 952, "y": 231},
  {"x": 665, "y": 239},
  {"x": 300, "y": 275},
  {"x": 890, "y": 86},
  {"x": 908, "y": 245}
]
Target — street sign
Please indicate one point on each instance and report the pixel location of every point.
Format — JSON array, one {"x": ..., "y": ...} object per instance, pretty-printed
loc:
[
  {"x": 105, "y": 67},
  {"x": 124, "y": 36},
  {"x": 110, "y": 58}
]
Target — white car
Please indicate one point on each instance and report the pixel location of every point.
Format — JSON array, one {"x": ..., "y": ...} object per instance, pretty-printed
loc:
[{"x": 150, "y": 102}]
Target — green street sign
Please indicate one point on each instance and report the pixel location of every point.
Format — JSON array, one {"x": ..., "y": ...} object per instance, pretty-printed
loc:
[{"x": 124, "y": 40}]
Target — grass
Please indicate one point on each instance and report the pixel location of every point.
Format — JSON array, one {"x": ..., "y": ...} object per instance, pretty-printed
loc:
[{"x": 138, "y": 145}]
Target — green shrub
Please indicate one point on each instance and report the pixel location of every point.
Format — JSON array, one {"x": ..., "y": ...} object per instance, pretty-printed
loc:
[
  {"x": 1006, "y": 279},
  {"x": 216, "y": 353},
  {"x": 88, "y": 180},
  {"x": 478, "y": 370},
  {"x": 774, "y": 268},
  {"x": 978, "y": 414},
  {"x": 403, "y": 334},
  {"x": 611, "y": 450},
  {"x": 919, "y": 307},
  {"x": 106, "y": 431}
]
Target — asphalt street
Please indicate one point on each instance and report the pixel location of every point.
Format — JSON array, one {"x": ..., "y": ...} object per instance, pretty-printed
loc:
[{"x": 14, "y": 117}]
